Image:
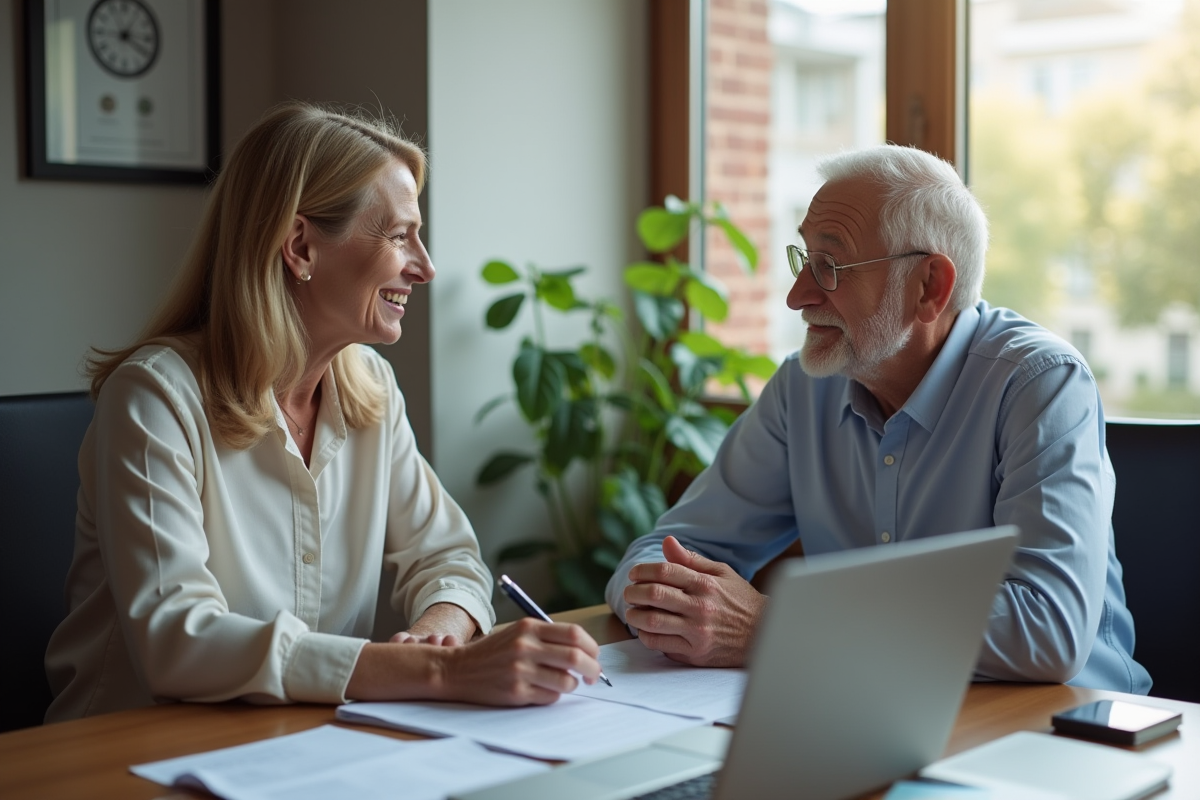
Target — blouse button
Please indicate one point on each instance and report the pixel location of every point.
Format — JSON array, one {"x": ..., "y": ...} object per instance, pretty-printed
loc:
[
  {"x": 887, "y": 537},
  {"x": 309, "y": 558},
  {"x": 889, "y": 460}
]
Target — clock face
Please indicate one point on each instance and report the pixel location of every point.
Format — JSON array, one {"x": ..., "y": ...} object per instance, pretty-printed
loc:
[{"x": 123, "y": 37}]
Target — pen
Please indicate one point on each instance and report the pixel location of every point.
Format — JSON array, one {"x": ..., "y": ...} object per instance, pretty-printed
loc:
[{"x": 526, "y": 604}]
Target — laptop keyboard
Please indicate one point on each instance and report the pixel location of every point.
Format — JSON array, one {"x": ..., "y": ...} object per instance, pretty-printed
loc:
[{"x": 698, "y": 788}]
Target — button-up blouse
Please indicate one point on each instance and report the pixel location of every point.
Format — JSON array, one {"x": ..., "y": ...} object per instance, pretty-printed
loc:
[{"x": 206, "y": 573}]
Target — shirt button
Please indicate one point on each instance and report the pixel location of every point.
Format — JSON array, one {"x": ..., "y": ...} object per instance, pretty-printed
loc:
[
  {"x": 887, "y": 537},
  {"x": 309, "y": 558},
  {"x": 889, "y": 460}
]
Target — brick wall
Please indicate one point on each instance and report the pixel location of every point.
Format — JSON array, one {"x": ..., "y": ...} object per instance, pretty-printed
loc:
[{"x": 737, "y": 131}]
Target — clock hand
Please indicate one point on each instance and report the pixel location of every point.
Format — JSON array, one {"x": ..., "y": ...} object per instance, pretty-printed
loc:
[{"x": 136, "y": 45}]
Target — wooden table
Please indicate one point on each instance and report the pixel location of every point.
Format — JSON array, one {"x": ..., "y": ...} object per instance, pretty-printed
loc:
[{"x": 91, "y": 757}]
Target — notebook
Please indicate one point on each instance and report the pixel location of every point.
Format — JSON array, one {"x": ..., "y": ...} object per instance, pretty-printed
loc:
[
  {"x": 856, "y": 678},
  {"x": 1028, "y": 764}
]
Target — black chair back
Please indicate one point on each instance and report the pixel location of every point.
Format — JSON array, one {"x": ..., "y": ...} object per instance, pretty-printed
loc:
[
  {"x": 39, "y": 479},
  {"x": 1156, "y": 521}
]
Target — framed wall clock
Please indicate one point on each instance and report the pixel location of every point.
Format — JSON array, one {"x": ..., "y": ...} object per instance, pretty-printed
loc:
[{"x": 122, "y": 90}]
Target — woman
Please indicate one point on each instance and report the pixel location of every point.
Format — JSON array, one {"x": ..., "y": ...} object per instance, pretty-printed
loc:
[{"x": 250, "y": 468}]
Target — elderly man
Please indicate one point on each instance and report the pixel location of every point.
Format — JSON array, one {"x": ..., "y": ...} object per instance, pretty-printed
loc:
[{"x": 914, "y": 409}]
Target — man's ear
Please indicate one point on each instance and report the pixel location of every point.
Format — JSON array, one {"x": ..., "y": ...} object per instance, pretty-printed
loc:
[
  {"x": 298, "y": 249},
  {"x": 937, "y": 278}
]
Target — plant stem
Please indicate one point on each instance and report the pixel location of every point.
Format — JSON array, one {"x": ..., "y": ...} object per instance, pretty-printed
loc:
[{"x": 575, "y": 534}]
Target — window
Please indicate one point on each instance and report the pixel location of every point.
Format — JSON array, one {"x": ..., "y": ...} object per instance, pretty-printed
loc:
[
  {"x": 1067, "y": 117},
  {"x": 1076, "y": 112},
  {"x": 1177, "y": 361}
]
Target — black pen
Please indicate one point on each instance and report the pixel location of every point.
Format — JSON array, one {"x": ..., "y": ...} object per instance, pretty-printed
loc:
[{"x": 526, "y": 604}]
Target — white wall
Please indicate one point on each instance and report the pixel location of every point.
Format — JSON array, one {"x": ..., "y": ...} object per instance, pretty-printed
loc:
[{"x": 538, "y": 134}]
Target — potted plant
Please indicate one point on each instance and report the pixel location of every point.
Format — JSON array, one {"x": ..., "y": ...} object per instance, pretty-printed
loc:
[{"x": 648, "y": 393}]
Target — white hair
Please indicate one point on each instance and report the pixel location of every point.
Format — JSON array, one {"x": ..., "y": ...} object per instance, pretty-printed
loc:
[{"x": 925, "y": 207}]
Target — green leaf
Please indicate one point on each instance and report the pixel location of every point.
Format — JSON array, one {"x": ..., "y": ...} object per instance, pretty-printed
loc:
[
  {"x": 606, "y": 558},
  {"x": 613, "y": 528},
  {"x": 726, "y": 415},
  {"x": 502, "y": 312},
  {"x": 758, "y": 366},
  {"x": 698, "y": 435},
  {"x": 500, "y": 466},
  {"x": 660, "y": 316},
  {"x": 573, "y": 579},
  {"x": 652, "y": 278},
  {"x": 636, "y": 503},
  {"x": 658, "y": 384},
  {"x": 490, "y": 406},
  {"x": 574, "y": 368},
  {"x": 707, "y": 300},
  {"x": 745, "y": 249},
  {"x": 702, "y": 344},
  {"x": 539, "y": 380},
  {"x": 497, "y": 272},
  {"x": 556, "y": 292},
  {"x": 518, "y": 551},
  {"x": 619, "y": 400},
  {"x": 660, "y": 229},
  {"x": 569, "y": 272},
  {"x": 693, "y": 370},
  {"x": 574, "y": 432},
  {"x": 599, "y": 359}
]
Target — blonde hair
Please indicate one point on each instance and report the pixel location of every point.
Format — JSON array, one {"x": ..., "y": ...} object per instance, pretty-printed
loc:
[{"x": 231, "y": 297}]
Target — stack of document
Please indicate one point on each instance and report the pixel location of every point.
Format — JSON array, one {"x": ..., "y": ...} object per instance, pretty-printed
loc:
[
  {"x": 331, "y": 762},
  {"x": 651, "y": 697}
]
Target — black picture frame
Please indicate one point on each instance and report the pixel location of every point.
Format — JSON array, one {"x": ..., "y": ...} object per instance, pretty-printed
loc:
[{"x": 41, "y": 160}]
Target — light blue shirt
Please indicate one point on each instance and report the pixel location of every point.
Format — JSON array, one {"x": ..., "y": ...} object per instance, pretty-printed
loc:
[{"x": 1005, "y": 427}]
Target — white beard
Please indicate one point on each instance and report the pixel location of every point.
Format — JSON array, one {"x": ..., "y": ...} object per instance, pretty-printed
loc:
[{"x": 860, "y": 354}]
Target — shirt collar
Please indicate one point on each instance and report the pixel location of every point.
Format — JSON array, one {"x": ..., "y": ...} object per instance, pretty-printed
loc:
[{"x": 927, "y": 402}]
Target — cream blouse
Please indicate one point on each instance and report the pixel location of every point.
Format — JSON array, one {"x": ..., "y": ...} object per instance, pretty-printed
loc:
[{"x": 206, "y": 573}]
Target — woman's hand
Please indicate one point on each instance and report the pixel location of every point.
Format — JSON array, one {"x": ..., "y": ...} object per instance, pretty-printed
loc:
[
  {"x": 442, "y": 624},
  {"x": 529, "y": 662}
]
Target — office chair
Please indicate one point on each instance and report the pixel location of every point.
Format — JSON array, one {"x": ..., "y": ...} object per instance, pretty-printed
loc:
[
  {"x": 39, "y": 447},
  {"x": 1156, "y": 522}
]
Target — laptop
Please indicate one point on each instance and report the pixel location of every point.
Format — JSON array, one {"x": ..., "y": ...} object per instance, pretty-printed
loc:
[{"x": 855, "y": 680}]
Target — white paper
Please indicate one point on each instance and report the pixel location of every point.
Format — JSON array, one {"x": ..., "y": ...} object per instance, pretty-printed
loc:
[
  {"x": 648, "y": 679},
  {"x": 332, "y": 762},
  {"x": 574, "y": 727}
]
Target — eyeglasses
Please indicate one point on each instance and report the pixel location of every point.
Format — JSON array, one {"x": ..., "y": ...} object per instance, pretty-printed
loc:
[{"x": 824, "y": 268}]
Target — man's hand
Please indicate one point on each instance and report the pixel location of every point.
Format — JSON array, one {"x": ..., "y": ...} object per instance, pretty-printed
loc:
[
  {"x": 443, "y": 624},
  {"x": 694, "y": 610}
]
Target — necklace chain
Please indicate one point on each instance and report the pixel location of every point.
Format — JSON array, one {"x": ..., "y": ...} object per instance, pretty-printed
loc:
[{"x": 299, "y": 429}]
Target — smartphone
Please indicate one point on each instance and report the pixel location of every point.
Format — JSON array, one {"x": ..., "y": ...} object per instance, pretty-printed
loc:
[{"x": 1117, "y": 721}]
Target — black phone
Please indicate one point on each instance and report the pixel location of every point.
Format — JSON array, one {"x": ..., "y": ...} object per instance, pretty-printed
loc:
[{"x": 1117, "y": 721}]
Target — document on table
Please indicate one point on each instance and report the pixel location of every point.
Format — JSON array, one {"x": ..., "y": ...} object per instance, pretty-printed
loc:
[
  {"x": 648, "y": 679},
  {"x": 331, "y": 762},
  {"x": 574, "y": 727}
]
